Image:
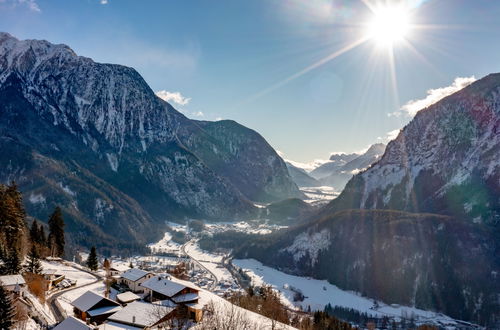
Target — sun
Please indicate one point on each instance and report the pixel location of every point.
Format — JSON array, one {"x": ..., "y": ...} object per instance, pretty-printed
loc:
[{"x": 389, "y": 25}]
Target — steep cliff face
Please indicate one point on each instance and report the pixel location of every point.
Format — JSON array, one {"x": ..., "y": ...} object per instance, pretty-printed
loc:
[
  {"x": 101, "y": 123},
  {"x": 430, "y": 261},
  {"x": 446, "y": 160}
]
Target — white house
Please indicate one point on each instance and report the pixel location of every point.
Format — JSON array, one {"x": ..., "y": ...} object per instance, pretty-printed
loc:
[
  {"x": 117, "y": 270},
  {"x": 72, "y": 323},
  {"x": 133, "y": 278},
  {"x": 143, "y": 315},
  {"x": 9, "y": 282}
]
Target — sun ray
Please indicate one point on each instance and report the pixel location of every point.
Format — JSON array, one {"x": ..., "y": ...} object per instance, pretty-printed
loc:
[
  {"x": 408, "y": 44},
  {"x": 306, "y": 69},
  {"x": 392, "y": 72}
]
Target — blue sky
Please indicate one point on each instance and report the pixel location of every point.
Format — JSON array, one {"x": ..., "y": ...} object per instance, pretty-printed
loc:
[{"x": 232, "y": 58}]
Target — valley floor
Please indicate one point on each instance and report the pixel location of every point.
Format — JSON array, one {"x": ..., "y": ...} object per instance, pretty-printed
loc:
[{"x": 317, "y": 293}]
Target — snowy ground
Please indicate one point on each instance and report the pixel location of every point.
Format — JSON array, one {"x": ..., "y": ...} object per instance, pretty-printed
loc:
[
  {"x": 165, "y": 245},
  {"x": 71, "y": 273},
  {"x": 319, "y": 195},
  {"x": 229, "y": 310},
  {"x": 211, "y": 261},
  {"x": 66, "y": 299},
  {"x": 261, "y": 227},
  {"x": 319, "y": 293}
]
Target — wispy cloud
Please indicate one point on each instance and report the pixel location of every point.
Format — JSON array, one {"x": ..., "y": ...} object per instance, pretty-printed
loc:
[
  {"x": 103, "y": 2},
  {"x": 175, "y": 97},
  {"x": 389, "y": 136},
  {"x": 434, "y": 95},
  {"x": 30, "y": 4},
  {"x": 392, "y": 134}
]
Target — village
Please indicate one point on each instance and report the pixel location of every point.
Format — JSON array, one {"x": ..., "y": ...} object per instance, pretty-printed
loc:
[
  {"x": 173, "y": 286},
  {"x": 118, "y": 297}
]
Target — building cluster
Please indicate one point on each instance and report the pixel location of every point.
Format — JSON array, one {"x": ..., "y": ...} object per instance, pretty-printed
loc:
[{"x": 145, "y": 301}]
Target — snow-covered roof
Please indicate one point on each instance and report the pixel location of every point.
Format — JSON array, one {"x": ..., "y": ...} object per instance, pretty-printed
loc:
[
  {"x": 163, "y": 285},
  {"x": 141, "y": 314},
  {"x": 8, "y": 280},
  {"x": 49, "y": 272},
  {"x": 134, "y": 274},
  {"x": 119, "y": 267},
  {"x": 117, "y": 326},
  {"x": 168, "y": 303},
  {"x": 186, "y": 297},
  {"x": 127, "y": 297},
  {"x": 72, "y": 323},
  {"x": 195, "y": 305},
  {"x": 88, "y": 300},
  {"x": 104, "y": 310}
]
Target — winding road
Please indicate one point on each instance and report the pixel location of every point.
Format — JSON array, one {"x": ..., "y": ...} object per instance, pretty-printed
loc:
[
  {"x": 54, "y": 307},
  {"x": 183, "y": 249}
]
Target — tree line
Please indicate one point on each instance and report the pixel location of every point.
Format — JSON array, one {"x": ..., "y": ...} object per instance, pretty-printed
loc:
[
  {"x": 14, "y": 234},
  {"x": 18, "y": 243}
]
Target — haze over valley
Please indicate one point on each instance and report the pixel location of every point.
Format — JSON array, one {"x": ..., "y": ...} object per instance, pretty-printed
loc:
[{"x": 208, "y": 192}]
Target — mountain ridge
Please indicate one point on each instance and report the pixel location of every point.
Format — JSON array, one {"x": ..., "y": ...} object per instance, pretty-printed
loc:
[{"x": 102, "y": 123}]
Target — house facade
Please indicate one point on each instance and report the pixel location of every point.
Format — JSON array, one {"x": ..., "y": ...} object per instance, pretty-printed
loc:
[
  {"x": 133, "y": 278},
  {"x": 10, "y": 282},
  {"x": 94, "y": 308}
]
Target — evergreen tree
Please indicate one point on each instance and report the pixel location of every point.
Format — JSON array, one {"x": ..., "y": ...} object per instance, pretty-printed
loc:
[
  {"x": 56, "y": 235},
  {"x": 7, "y": 311},
  {"x": 92, "y": 262},
  {"x": 12, "y": 216},
  {"x": 34, "y": 232},
  {"x": 34, "y": 265},
  {"x": 12, "y": 263},
  {"x": 42, "y": 238}
]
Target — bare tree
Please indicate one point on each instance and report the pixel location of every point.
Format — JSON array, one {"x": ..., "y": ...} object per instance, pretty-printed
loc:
[
  {"x": 108, "y": 280},
  {"x": 226, "y": 316}
]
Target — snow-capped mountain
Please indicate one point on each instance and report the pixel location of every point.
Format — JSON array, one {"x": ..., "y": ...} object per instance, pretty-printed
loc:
[
  {"x": 446, "y": 160},
  {"x": 341, "y": 167},
  {"x": 300, "y": 176},
  {"x": 95, "y": 139},
  {"x": 445, "y": 167},
  {"x": 335, "y": 162}
]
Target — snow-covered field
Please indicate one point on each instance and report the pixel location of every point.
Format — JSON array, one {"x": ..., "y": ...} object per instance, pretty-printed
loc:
[
  {"x": 319, "y": 293},
  {"x": 211, "y": 261},
  {"x": 249, "y": 227},
  {"x": 319, "y": 195},
  {"x": 165, "y": 245},
  {"x": 69, "y": 272}
]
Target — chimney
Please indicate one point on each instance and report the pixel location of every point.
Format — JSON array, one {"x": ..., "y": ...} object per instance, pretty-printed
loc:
[{"x": 133, "y": 319}]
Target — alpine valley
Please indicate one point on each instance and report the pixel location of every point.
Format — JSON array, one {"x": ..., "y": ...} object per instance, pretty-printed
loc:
[
  {"x": 415, "y": 222},
  {"x": 444, "y": 167},
  {"x": 96, "y": 140}
]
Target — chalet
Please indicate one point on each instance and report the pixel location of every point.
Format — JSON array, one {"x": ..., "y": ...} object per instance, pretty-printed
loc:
[
  {"x": 133, "y": 278},
  {"x": 11, "y": 282},
  {"x": 143, "y": 315},
  {"x": 117, "y": 270},
  {"x": 52, "y": 278},
  {"x": 72, "y": 323},
  {"x": 127, "y": 297},
  {"x": 94, "y": 308},
  {"x": 163, "y": 288}
]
